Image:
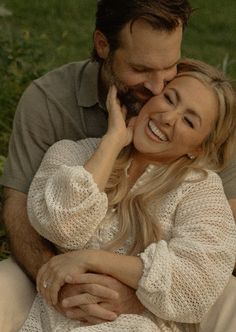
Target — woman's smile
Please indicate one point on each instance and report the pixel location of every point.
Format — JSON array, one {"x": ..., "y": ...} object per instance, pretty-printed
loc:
[
  {"x": 176, "y": 122},
  {"x": 155, "y": 133}
]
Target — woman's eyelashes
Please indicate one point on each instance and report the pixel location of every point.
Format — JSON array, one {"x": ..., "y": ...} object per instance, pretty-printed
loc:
[
  {"x": 188, "y": 122},
  {"x": 169, "y": 98}
]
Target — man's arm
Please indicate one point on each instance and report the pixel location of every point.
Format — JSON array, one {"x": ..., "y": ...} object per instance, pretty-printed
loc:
[
  {"x": 232, "y": 203},
  {"x": 29, "y": 249}
]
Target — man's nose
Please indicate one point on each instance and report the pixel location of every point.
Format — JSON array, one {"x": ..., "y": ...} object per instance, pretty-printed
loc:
[{"x": 155, "y": 82}]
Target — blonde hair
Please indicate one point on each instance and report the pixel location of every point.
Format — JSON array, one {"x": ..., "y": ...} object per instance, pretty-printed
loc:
[{"x": 133, "y": 208}]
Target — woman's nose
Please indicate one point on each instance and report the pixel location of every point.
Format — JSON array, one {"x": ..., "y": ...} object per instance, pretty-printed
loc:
[{"x": 169, "y": 118}]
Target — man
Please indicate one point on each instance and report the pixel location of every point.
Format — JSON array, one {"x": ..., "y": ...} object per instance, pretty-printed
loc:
[{"x": 137, "y": 47}]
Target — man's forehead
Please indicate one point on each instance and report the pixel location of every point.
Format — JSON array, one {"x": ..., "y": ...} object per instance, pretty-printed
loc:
[
  {"x": 150, "y": 47},
  {"x": 141, "y": 28}
]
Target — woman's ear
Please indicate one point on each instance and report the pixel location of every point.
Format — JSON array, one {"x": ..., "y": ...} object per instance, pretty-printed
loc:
[{"x": 101, "y": 44}]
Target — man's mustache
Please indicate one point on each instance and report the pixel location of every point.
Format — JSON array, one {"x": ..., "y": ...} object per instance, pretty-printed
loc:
[
  {"x": 136, "y": 92},
  {"x": 134, "y": 100}
]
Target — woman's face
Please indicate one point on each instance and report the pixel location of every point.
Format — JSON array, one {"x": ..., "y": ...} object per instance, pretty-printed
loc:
[{"x": 176, "y": 122}]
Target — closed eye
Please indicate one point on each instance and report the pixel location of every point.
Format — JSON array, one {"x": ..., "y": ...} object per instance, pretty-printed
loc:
[
  {"x": 189, "y": 122},
  {"x": 167, "y": 97}
]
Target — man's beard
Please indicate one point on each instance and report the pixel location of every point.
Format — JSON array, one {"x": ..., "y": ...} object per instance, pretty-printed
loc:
[{"x": 128, "y": 96}]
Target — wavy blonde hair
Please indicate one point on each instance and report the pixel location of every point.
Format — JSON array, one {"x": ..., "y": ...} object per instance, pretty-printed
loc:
[{"x": 133, "y": 207}]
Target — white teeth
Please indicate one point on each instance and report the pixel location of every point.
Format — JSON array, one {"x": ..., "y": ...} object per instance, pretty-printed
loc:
[{"x": 156, "y": 131}]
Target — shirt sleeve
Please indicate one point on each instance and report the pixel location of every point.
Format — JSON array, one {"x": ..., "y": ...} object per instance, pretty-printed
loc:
[
  {"x": 183, "y": 277},
  {"x": 64, "y": 203},
  {"x": 228, "y": 176}
]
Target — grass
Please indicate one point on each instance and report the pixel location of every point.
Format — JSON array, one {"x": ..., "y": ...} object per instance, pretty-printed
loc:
[
  {"x": 211, "y": 34},
  {"x": 43, "y": 34}
]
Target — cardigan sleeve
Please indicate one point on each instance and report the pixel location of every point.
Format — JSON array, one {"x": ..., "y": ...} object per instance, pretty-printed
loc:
[
  {"x": 183, "y": 277},
  {"x": 64, "y": 203}
]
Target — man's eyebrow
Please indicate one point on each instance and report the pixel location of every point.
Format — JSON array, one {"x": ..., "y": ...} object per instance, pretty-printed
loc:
[
  {"x": 140, "y": 66},
  {"x": 173, "y": 64},
  {"x": 189, "y": 110},
  {"x": 144, "y": 67}
]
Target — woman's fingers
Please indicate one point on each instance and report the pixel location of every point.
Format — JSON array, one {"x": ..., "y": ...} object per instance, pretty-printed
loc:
[
  {"x": 54, "y": 289},
  {"x": 49, "y": 281},
  {"x": 112, "y": 100}
]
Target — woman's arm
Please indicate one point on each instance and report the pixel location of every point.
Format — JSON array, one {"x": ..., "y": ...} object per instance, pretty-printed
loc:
[
  {"x": 117, "y": 137},
  {"x": 179, "y": 279},
  {"x": 183, "y": 277},
  {"x": 66, "y": 202},
  {"x": 67, "y": 268},
  {"x": 127, "y": 269}
]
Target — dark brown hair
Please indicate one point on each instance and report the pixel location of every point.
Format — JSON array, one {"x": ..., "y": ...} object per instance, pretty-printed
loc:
[{"x": 113, "y": 15}]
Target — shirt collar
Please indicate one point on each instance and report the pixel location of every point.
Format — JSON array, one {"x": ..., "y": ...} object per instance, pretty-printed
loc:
[{"x": 87, "y": 94}]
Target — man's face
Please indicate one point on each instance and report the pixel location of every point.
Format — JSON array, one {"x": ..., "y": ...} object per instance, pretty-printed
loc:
[{"x": 144, "y": 62}]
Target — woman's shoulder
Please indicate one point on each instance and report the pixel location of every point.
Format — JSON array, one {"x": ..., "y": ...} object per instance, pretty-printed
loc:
[
  {"x": 205, "y": 179},
  {"x": 87, "y": 144},
  {"x": 67, "y": 151},
  {"x": 201, "y": 175}
]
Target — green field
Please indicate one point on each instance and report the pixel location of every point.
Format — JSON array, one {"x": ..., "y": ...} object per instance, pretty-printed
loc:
[{"x": 37, "y": 36}]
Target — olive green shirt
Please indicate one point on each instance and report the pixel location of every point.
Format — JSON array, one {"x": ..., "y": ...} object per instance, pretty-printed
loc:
[{"x": 62, "y": 104}]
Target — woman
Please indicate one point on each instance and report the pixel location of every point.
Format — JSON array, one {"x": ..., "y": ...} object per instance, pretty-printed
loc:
[{"x": 147, "y": 191}]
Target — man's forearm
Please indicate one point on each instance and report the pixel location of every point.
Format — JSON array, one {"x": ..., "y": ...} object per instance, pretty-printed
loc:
[{"x": 29, "y": 249}]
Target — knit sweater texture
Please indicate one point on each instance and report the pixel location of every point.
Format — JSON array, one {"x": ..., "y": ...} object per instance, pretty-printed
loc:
[{"x": 184, "y": 273}]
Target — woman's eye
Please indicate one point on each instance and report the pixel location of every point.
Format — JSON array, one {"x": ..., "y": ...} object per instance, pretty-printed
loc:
[
  {"x": 189, "y": 122},
  {"x": 167, "y": 97}
]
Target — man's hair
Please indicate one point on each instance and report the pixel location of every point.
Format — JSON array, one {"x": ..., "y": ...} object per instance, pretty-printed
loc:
[{"x": 163, "y": 15}]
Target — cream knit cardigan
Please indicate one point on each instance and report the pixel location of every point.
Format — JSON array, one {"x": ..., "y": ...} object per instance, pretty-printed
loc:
[{"x": 183, "y": 274}]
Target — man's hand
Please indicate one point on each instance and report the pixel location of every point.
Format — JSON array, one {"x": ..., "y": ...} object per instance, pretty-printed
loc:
[{"x": 98, "y": 298}]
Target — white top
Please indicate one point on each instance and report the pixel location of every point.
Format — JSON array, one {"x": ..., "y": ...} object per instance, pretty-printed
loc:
[{"x": 184, "y": 273}]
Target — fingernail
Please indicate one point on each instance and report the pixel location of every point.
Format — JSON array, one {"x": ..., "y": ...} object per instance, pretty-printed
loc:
[{"x": 113, "y": 316}]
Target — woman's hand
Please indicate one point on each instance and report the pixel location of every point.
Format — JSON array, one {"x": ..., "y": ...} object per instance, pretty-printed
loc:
[
  {"x": 118, "y": 130},
  {"x": 58, "y": 271}
]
